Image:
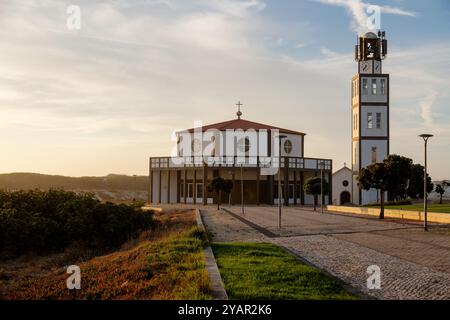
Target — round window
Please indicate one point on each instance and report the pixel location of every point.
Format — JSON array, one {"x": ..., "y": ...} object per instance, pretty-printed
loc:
[
  {"x": 345, "y": 183},
  {"x": 244, "y": 144},
  {"x": 288, "y": 146}
]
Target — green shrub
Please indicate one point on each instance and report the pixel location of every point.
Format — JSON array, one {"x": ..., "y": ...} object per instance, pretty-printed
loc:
[{"x": 49, "y": 221}]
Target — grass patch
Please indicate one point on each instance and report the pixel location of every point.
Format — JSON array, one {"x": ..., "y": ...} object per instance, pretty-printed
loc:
[
  {"x": 178, "y": 266},
  {"x": 262, "y": 271},
  {"x": 167, "y": 265},
  {"x": 439, "y": 208}
]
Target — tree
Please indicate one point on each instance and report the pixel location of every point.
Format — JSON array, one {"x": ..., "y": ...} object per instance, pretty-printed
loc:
[
  {"x": 313, "y": 187},
  {"x": 440, "y": 190},
  {"x": 375, "y": 176},
  {"x": 396, "y": 175},
  {"x": 227, "y": 188},
  {"x": 415, "y": 185},
  {"x": 219, "y": 185},
  {"x": 399, "y": 169}
]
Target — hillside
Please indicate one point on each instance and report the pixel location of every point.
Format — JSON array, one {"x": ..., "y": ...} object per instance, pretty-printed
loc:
[
  {"x": 164, "y": 263},
  {"x": 16, "y": 181}
]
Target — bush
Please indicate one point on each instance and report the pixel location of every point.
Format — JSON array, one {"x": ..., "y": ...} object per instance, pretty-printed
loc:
[{"x": 49, "y": 221}]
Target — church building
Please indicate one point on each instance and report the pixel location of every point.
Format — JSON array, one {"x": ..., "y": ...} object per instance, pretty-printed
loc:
[{"x": 248, "y": 153}]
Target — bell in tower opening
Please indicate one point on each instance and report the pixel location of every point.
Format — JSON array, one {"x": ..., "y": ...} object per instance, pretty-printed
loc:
[
  {"x": 370, "y": 110},
  {"x": 371, "y": 47}
]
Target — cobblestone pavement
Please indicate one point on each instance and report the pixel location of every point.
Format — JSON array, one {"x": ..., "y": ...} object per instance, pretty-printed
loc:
[
  {"x": 414, "y": 264},
  {"x": 225, "y": 228}
]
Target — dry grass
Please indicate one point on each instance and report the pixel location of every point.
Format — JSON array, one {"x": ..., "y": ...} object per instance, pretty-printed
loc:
[{"x": 166, "y": 263}]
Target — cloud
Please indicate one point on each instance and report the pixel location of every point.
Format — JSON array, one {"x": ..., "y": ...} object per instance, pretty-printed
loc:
[
  {"x": 119, "y": 87},
  {"x": 426, "y": 105},
  {"x": 358, "y": 11},
  {"x": 236, "y": 7},
  {"x": 327, "y": 52}
]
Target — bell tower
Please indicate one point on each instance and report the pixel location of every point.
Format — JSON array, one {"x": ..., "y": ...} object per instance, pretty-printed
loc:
[{"x": 370, "y": 110}]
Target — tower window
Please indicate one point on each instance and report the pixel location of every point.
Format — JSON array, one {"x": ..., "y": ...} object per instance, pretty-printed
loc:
[
  {"x": 369, "y": 120},
  {"x": 365, "y": 86},
  {"x": 378, "y": 120},
  {"x": 374, "y": 86},
  {"x": 374, "y": 154},
  {"x": 383, "y": 86}
]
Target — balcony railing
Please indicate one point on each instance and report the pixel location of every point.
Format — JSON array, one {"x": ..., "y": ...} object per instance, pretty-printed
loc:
[{"x": 237, "y": 162}]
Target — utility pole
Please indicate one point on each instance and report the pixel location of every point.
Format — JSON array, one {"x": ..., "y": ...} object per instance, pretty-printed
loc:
[
  {"x": 242, "y": 190},
  {"x": 280, "y": 137}
]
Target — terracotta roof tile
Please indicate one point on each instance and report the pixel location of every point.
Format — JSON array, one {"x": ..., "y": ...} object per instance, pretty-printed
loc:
[{"x": 236, "y": 124}]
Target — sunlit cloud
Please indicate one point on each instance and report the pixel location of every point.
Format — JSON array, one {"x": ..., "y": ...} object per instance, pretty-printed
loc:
[
  {"x": 358, "y": 11},
  {"x": 137, "y": 70}
]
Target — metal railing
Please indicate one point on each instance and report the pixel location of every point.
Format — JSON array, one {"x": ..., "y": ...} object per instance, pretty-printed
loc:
[{"x": 237, "y": 162}]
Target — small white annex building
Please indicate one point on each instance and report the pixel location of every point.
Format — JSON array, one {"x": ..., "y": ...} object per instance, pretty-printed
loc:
[{"x": 342, "y": 186}]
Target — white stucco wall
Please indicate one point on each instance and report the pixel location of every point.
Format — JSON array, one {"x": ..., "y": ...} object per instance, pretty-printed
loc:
[
  {"x": 345, "y": 174},
  {"x": 366, "y": 151},
  {"x": 374, "y": 131},
  {"x": 215, "y": 143},
  {"x": 155, "y": 187},
  {"x": 369, "y": 97}
]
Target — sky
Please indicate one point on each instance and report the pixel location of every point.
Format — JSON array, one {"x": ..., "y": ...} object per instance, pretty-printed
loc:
[{"x": 105, "y": 97}]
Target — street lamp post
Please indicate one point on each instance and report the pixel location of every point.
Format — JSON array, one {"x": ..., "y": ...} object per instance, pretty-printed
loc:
[
  {"x": 242, "y": 190},
  {"x": 425, "y": 138},
  {"x": 232, "y": 179},
  {"x": 321, "y": 163},
  {"x": 280, "y": 137}
]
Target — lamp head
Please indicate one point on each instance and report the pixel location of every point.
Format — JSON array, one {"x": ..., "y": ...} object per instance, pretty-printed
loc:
[{"x": 426, "y": 136}]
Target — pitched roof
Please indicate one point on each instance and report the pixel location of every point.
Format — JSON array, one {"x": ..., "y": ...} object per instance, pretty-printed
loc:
[
  {"x": 237, "y": 124},
  {"x": 341, "y": 169}
]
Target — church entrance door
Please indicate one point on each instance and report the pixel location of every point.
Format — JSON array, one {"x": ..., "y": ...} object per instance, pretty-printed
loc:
[{"x": 345, "y": 197}]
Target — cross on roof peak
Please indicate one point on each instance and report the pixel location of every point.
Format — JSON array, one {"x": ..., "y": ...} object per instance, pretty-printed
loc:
[{"x": 239, "y": 113}]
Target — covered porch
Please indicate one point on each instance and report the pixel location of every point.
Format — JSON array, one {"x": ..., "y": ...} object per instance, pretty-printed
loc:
[{"x": 185, "y": 181}]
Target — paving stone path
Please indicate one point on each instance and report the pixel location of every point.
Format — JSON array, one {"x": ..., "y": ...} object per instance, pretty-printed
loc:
[{"x": 413, "y": 264}]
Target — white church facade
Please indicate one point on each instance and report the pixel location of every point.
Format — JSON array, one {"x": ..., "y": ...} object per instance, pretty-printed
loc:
[{"x": 246, "y": 152}]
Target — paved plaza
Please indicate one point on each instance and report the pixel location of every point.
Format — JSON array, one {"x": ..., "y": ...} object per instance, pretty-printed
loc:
[{"x": 414, "y": 264}]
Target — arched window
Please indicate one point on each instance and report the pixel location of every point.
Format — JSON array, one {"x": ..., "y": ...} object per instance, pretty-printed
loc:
[
  {"x": 374, "y": 154},
  {"x": 196, "y": 146}
]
